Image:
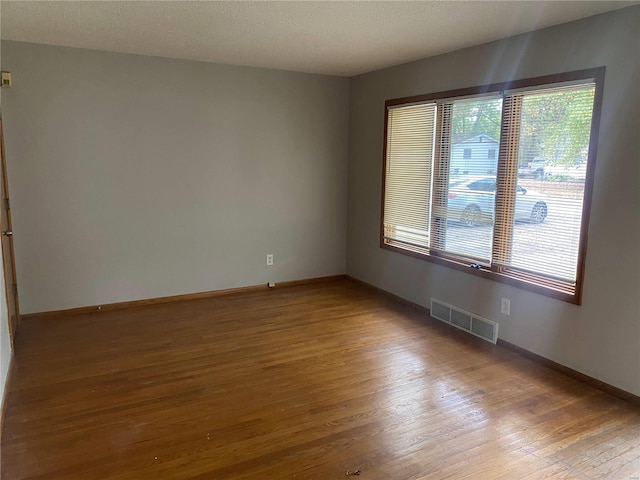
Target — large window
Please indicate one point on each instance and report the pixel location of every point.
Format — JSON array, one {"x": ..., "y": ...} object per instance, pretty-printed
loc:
[{"x": 520, "y": 217}]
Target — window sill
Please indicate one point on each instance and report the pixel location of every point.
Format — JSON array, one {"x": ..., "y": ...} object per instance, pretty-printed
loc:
[{"x": 563, "y": 291}]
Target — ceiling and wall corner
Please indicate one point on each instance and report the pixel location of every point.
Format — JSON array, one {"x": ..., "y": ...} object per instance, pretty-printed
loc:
[{"x": 332, "y": 38}]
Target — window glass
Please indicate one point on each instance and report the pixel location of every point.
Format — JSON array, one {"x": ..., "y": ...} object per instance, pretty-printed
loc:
[
  {"x": 468, "y": 229},
  {"x": 552, "y": 158},
  {"x": 496, "y": 178}
]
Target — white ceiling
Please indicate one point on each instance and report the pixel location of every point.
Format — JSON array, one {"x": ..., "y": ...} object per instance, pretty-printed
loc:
[{"x": 336, "y": 38}]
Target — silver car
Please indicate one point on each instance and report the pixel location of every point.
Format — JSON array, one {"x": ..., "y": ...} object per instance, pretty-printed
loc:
[
  {"x": 533, "y": 169},
  {"x": 471, "y": 201}
]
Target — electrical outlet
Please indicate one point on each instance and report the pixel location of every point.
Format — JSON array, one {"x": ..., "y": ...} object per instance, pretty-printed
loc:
[
  {"x": 270, "y": 259},
  {"x": 5, "y": 80},
  {"x": 505, "y": 306}
]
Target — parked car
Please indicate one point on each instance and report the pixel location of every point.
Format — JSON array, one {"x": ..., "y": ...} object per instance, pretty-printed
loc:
[
  {"x": 533, "y": 169},
  {"x": 471, "y": 201},
  {"x": 569, "y": 173}
]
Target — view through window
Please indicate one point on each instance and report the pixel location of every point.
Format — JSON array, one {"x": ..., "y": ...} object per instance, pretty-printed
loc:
[{"x": 519, "y": 214}]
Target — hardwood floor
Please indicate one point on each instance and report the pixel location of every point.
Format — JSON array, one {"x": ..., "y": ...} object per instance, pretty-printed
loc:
[{"x": 303, "y": 382}]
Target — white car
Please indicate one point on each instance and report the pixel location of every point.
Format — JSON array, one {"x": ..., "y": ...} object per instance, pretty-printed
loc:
[
  {"x": 471, "y": 201},
  {"x": 570, "y": 173}
]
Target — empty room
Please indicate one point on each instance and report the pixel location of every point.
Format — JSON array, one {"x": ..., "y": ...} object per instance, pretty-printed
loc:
[{"x": 269, "y": 240}]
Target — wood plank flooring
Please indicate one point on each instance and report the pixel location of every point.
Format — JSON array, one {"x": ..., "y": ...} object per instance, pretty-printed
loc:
[{"x": 304, "y": 382}]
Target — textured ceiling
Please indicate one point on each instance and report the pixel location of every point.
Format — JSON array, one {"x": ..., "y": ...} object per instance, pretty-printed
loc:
[{"x": 337, "y": 38}]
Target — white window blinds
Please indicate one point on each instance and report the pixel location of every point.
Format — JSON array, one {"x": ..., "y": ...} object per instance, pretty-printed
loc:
[
  {"x": 546, "y": 194},
  {"x": 465, "y": 184},
  {"x": 497, "y": 178},
  {"x": 409, "y": 160}
]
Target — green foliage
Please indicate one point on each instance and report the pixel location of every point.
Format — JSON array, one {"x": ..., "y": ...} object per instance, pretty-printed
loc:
[
  {"x": 555, "y": 126},
  {"x": 473, "y": 117}
]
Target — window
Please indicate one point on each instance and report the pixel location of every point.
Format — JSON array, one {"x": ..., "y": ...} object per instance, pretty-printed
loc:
[{"x": 525, "y": 222}]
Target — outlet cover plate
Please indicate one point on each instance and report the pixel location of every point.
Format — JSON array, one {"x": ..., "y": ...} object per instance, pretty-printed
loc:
[{"x": 505, "y": 306}]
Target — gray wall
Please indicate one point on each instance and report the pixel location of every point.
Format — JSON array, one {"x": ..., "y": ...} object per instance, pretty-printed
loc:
[
  {"x": 601, "y": 338},
  {"x": 136, "y": 177}
]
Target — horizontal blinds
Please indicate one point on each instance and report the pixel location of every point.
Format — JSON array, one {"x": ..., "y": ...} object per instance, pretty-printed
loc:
[
  {"x": 465, "y": 184},
  {"x": 408, "y": 164},
  {"x": 498, "y": 180},
  {"x": 551, "y": 138},
  {"x": 440, "y": 177},
  {"x": 507, "y": 178}
]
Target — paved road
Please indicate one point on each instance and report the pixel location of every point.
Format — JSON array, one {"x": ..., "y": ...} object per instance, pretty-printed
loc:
[{"x": 550, "y": 247}]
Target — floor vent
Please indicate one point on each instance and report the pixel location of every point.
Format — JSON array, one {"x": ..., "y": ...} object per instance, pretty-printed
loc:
[{"x": 469, "y": 322}]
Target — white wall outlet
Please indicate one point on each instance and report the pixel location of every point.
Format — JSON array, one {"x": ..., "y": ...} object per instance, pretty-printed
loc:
[
  {"x": 505, "y": 306},
  {"x": 270, "y": 259},
  {"x": 271, "y": 284},
  {"x": 6, "y": 80}
]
